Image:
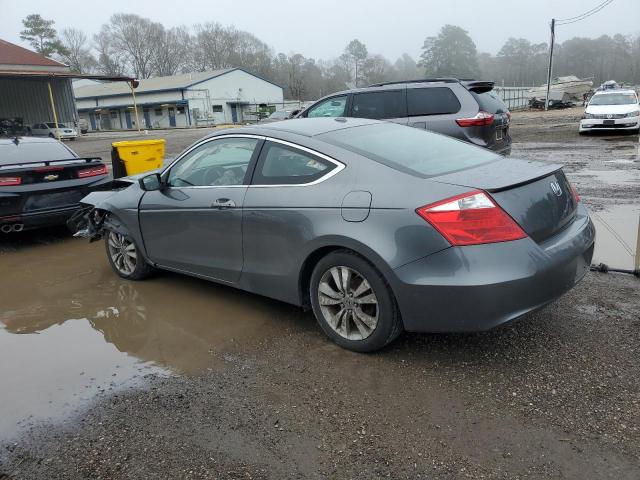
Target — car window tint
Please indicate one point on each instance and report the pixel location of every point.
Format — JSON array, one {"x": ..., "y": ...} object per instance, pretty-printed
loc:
[
  {"x": 388, "y": 104},
  {"x": 432, "y": 101},
  {"x": 283, "y": 165},
  {"x": 490, "y": 102},
  {"x": 33, "y": 152},
  {"x": 220, "y": 162},
  {"x": 331, "y": 107},
  {"x": 410, "y": 150}
]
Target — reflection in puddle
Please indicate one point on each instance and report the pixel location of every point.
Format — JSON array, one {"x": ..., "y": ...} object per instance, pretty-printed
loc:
[
  {"x": 68, "y": 324},
  {"x": 616, "y": 233}
]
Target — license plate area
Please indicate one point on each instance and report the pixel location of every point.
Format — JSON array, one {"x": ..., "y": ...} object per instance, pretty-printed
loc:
[
  {"x": 499, "y": 133},
  {"x": 609, "y": 122},
  {"x": 46, "y": 201}
]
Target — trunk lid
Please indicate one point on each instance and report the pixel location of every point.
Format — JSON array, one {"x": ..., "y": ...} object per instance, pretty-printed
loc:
[{"x": 536, "y": 195}]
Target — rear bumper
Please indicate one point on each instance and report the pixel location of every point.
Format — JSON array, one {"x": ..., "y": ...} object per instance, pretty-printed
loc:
[
  {"x": 52, "y": 217},
  {"x": 462, "y": 289},
  {"x": 629, "y": 123}
]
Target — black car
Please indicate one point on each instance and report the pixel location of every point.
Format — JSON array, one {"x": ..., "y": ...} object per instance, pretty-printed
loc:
[
  {"x": 469, "y": 110},
  {"x": 42, "y": 181}
]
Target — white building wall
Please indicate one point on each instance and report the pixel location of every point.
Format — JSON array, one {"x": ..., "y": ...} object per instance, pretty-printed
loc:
[{"x": 236, "y": 87}]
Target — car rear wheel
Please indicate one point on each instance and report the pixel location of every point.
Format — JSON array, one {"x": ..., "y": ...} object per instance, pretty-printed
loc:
[
  {"x": 353, "y": 303},
  {"x": 125, "y": 257}
]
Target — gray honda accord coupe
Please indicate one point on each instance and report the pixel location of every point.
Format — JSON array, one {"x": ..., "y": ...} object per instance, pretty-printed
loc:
[{"x": 376, "y": 227}]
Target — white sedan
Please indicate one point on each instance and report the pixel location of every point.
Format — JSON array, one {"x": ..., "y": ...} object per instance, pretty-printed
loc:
[
  {"x": 49, "y": 129},
  {"x": 612, "y": 109}
]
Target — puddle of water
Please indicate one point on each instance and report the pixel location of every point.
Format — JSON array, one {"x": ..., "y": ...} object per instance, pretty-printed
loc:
[
  {"x": 615, "y": 226},
  {"x": 64, "y": 312}
]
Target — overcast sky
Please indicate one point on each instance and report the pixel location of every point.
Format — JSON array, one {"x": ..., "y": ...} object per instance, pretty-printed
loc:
[{"x": 322, "y": 28}]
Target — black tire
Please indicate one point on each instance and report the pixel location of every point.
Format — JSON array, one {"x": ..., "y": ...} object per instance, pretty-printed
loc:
[
  {"x": 141, "y": 268},
  {"x": 389, "y": 323},
  {"x": 51, "y": 135}
]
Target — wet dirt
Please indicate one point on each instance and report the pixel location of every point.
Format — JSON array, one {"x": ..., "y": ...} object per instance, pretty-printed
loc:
[
  {"x": 73, "y": 329},
  {"x": 175, "y": 377}
]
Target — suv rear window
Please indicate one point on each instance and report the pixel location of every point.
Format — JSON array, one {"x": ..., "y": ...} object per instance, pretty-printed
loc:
[
  {"x": 410, "y": 150},
  {"x": 490, "y": 102},
  {"x": 388, "y": 104},
  {"x": 432, "y": 101}
]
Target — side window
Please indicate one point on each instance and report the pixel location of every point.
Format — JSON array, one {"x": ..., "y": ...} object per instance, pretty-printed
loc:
[
  {"x": 283, "y": 165},
  {"x": 331, "y": 107},
  {"x": 388, "y": 104},
  {"x": 220, "y": 162},
  {"x": 432, "y": 101}
]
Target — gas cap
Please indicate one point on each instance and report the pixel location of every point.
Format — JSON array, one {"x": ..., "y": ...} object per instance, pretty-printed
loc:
[{"x": 356, "y": 205}]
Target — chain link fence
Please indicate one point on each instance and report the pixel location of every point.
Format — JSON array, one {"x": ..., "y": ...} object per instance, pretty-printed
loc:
[{"x": 515, "y": 98}]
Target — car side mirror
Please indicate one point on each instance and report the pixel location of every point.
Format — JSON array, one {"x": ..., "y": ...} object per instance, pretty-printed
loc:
[{"x": 150, "y": 183}]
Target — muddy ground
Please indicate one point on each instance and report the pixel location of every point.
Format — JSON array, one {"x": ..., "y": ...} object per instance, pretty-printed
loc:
[{"x": 179, "y": 378}]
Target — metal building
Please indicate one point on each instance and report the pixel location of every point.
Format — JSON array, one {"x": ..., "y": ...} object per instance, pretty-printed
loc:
[
  {"x": 202, "y": 98},
  {"x": 35, "y": 89}
]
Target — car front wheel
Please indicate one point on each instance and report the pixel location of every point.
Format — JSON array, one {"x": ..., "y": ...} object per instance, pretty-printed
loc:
[
  {"x": 125, "y": 257},
  {"x": 353, "y": 303}
]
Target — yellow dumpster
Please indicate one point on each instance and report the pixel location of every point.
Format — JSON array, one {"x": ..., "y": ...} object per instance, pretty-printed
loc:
[{"x": 129, "y": 158}]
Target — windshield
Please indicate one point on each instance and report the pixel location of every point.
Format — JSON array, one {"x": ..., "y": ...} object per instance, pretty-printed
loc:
[
  {"x": 53, "y": 125},
  {"x": 409, "y": 149},
  {"x": 614, "y": 99},
  {"x": 281, "y": 114}
]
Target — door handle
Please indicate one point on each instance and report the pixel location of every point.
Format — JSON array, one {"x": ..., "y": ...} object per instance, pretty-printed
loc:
[{"x": 223, "y": 203}]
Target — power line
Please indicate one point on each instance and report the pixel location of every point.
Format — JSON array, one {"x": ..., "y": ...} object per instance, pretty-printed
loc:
[{"x": 582, "y": 16}]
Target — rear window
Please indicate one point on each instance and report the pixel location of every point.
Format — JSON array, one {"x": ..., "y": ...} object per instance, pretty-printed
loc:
[
  {"x": 33, "y": 152},
  {"x": 410, "y": 150},
  {"x": 432, "y": 101},
  {"x": 388, "y": 104},
  {"x": 490, "y": 102}
]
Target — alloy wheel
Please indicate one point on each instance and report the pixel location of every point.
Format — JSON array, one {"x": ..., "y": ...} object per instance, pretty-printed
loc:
[
  {"x": 348, "y": 303},
  {"x": 123, "y": 253}
]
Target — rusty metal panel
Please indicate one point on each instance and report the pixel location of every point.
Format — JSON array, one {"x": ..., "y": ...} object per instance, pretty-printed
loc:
[{"x": 28, "y": 98}]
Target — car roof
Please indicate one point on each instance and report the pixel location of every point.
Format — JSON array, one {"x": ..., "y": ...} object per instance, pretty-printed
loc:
[
  {"x": 613, "y": 91},
  {"x": 26, "y": 140},
  {"x": 308, "y": 127}
]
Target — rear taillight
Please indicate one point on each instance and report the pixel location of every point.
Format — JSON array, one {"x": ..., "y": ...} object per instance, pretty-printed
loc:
[
  {"x": 10, "y": 181},
  {"x": 480, "y": 120},
  {"x": 93, "y": 171},
  {"x": 576, "y": 197},
  {"x": 471, "y": 219}
]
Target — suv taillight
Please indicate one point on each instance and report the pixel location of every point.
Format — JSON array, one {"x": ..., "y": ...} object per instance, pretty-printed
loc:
[
  {"x": 482, "y": 119},
  {"x": 92, "y": 172},
  {"x": 10, "y": 181},
  {"x": 471, "y": 219}
]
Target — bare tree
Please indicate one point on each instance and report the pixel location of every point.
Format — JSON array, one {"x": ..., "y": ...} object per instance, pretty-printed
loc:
[
  {"x": 111, "y": 61},
  {"x": 138, "y": 39},
  {"x": 172, "y": 52},
  {"x": 77, "y": 51}
]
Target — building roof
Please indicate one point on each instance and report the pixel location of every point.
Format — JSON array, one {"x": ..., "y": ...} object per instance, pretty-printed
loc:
[
  {"x": 155, "y": 84},
  {"x": 174, "y": 82},
  {"x": 13, "y": 56}
]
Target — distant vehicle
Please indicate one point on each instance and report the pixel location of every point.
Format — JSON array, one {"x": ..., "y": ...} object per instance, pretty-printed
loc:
[
  {"x": 467, "y": 110},
  {"x": 571, "y": 85},
  {"x": 49, "y": 129},
  {"x": 612, "y": 109},
  {"x": 41, "y": 182},
  {"x": 377, "y": 227},
  {"x": 280, "y": 115}
]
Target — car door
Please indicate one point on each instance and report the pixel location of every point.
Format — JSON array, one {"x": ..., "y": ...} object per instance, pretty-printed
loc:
[
  {"x": 194, "y": 224},
  {"x": 390, "y": 105},
  {"x": 290, "y": 197}
]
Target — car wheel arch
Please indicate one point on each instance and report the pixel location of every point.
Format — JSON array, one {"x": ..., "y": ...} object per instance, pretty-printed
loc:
[{"x": 315, "y": 254}]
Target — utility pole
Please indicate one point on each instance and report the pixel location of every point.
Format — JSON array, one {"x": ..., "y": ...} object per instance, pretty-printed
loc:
[{"x": 553, "y": 38}]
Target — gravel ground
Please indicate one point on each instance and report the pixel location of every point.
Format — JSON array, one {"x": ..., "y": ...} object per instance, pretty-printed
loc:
[{"x": 555, "y": 395}]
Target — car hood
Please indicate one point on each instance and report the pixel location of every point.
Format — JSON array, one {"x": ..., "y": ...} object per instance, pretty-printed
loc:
[{"x": 604, "y": 109}]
